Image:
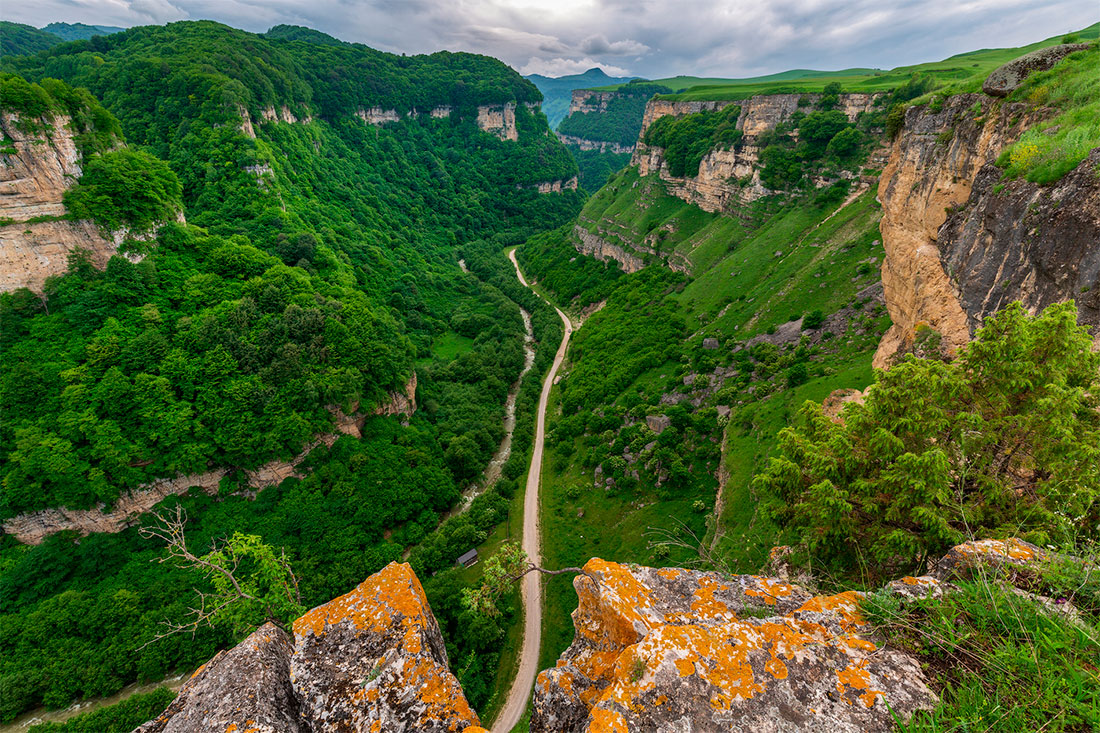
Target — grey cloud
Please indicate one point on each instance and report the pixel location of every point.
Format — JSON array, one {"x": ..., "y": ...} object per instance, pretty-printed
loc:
[{"x": 646, "y": 37}]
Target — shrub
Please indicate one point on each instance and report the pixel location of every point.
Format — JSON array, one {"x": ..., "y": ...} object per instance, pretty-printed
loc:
[
  {"x": 125, "y": 188},
  {"x": 1005, "y": 440}
]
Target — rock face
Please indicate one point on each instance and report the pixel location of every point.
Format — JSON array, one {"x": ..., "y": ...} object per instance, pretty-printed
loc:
[
  {"x": 1006, "y": 78},
  {"x": 33, "y": 179},
  {"x": 604, "y": 146},
  {"x": 596, "y": 246},
  {"x": 374, "y": 660},
  {"x": 569, "y": 184},
  {"x": 730, "y": 177},
  {"x": 369, "y": 661},
  {"x": 1016, "y": 240},
  {"x": 244, "y": 689},
  {"x": 960, "y": 243},
  {"x": 499, "y": 120},
  {"x": 680, "y": 650},
  {"x": 400, "y": 403}
]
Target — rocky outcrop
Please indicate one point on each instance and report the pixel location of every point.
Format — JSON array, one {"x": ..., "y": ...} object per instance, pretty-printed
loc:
[
  {"x": 730, "y": 177},
  {"x": 569, "y": 184},
  {"x": 378, "y": 116},
  {"x": 400, "y": 403},
  {"x": 1015, "y": 240},
  {"x": 931, "y": 173},
  {"x": 604, "y": 146},
  {"x": 499, "y": 120},
  {"x": 586, "y": 101},
  {"x": 35, "y": 170},
  {"x": 1006, "y": 78},
  {"x": 593, "y": 245},
  {"x": 674, "y": 649},
  {"x": 372, "y": 660},
  {"x": 246, "y": 688}
]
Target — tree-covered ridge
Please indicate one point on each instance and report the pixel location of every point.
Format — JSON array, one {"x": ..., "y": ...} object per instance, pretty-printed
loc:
[
  {"x": 17, "y": 39},
  {"x": 80, "y": 31},
  {"x": 620, "y": 122},
  {"x": 36, "y": 105},
  {"x": 212, "y": 69}
]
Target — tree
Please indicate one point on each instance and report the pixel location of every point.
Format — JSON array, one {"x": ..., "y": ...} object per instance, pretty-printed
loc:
[
  {"x": 1005, "y": 440},
  {"x": 253, "y": 583},
  {"x": 508, "y": 565}
]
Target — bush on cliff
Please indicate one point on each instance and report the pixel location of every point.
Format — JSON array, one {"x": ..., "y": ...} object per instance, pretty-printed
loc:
[
  {"x": 1004, "y": 441},
  {"x": 126, "y": 188}
]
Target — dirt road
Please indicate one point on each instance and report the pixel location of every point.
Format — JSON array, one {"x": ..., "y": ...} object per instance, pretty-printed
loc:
[{"x": 516, "y": 704}]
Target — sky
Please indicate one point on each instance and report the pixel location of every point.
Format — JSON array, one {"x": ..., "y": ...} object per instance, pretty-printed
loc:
[{"x": 650, "y": 38}]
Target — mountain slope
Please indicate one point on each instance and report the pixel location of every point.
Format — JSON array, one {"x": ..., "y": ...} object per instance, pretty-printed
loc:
[{"x": 556, "y": 91}]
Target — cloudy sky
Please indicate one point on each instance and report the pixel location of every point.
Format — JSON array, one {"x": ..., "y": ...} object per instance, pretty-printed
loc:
[{"x": 651, "y": 38}]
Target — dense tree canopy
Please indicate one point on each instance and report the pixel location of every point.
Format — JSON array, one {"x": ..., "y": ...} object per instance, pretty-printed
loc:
[{"x": 1004, "y": 441}]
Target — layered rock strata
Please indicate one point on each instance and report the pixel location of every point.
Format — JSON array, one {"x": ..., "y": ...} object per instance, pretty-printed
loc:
[
  {"x": 36, "y": 168},
  {"x": 961, "y": 242},
  {"x": 727, "y": 178}
]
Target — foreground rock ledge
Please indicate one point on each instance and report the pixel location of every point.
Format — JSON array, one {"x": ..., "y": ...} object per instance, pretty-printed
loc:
[
  {"x": 371, "y": 660},
  {"x": 680, "y": 650}
]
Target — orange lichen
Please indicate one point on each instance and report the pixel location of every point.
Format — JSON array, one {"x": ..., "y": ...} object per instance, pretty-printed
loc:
[
  {"x": 845, "y": 605},
  {"x": 856, "y": 677},
  {"x": 373, "y": 605},
  {"x": 607, "y": 721},
  {"x": 685, "y": 667},
  {"x": 1011, "y": 548},
  {"x": 769, "y": 590}
]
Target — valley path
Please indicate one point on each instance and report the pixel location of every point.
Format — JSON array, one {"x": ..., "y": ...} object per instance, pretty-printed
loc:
[{"x": 516, "y": 703}]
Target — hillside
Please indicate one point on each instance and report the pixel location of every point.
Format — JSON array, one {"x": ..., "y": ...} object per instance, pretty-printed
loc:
[
  {"x": 741, "y": 252},
  {"x": 328, "y": 387},
  {"x": 17, "y": 39},
  {"x": 307, "y": 339},
  {"x": 601, "y": 135},
  {"x": 557, "y": 90},
  {"x": 80, "y": 31}
]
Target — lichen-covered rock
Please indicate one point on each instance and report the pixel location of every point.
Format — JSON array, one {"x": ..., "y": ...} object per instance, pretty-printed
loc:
[
  {"x": 1006, "y": 78},
  {"x": 374, "y": 660},
  {"x": 244, "y": 689},
  {"x": 962, "y": 560},
  {"x": 671, "y": 649}
]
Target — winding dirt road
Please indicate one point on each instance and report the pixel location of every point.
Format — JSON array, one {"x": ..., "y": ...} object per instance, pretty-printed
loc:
[{"x": 516, "y": 704}]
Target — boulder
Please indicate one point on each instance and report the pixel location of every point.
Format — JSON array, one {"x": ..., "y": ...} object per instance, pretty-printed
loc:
[
  {"x": 962, "y": 560},
  {"x": 658, "y": 423},
  {"x": 245, "y": 688},
  {"x": 680, "y": 650},
  {"x": 374, "y": 660},
  {"x": 1005, "y": 79}
]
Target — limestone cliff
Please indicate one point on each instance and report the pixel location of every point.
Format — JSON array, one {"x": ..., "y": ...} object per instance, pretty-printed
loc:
[
  {"x": 960, "y": 243},
  {"x": 35, "y": 170},
  {"x": 370, "y": 660},
  {"x": 604, "y": 146},
  {"x": 495, "y": 119},
  {"x": 730, "y": 177}
]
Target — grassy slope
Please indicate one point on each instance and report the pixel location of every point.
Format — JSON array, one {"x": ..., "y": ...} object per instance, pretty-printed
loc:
[
  {"x": 970, "y": 68},
  {"x": 820, "y": 269}
]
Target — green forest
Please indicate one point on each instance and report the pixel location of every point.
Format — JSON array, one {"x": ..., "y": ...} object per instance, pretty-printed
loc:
[{"x": 316, "y": 272}]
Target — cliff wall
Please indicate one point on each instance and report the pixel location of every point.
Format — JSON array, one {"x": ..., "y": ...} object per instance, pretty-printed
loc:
[
  {"x": 961, "y": 243},
  {"x": 35, "y": 170},
  {"x": 728, "y": 178},
  {"x": 497, "y": 119}
]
